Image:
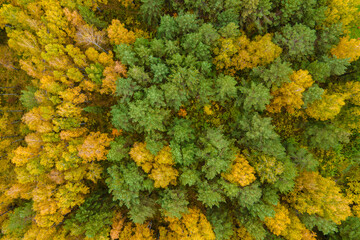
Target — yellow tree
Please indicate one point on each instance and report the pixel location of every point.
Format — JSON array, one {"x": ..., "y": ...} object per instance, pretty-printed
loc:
[
  {"x": 119, "y": 34},
  {"x": 314, "y": 194},
  {"x": 296, "y": 230},
  {"x": 234, "y": 54},
  {"x": 160, "y": 166},
  {"x": 289, "y": 95},
  {"x": 241, "y": 173},
  {"x": 87, "y": 36},
  {"x": 279, "y": 223},
  {"x": 347, "y": 48},
  {"x": 142, "y": 156},
  {"x": 163, "y": 172},
  {"x": 192, "y": 225},
  {"x": 94, "y": 147},
  {"x": 344, "y": 11},
  {"x": 327, "y": 107}
]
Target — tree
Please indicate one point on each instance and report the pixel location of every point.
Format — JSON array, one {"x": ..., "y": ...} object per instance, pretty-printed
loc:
[
  {"x": 257, "y": 96},
  {"x": 234, "y": 54},
  {"x": 119, "y": 34},
  {"x": 88, "y": 36},
  {"x": 327, "y": 107},
  {"x": 279, "y": 223},
  {"x": 315, "y": 194},
  {"x": 94, "y": 147},
  {"x": 241, "y": 172},
  {"x": 289, "y": 95},
  {"x": 347, "y": 48},
  {"x": 173, "y": 203},
  {"x": 298, "y": 40},
  {"x": 192, "y": 225}
]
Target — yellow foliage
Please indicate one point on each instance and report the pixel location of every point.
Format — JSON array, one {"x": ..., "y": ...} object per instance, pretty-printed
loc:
[
  {"x": 94, "y": 147},
  {"x": 119, "y": 34},
  {"x": 242, "y": 234},
  {"x": 344, "y": 11},
  {"x": 73, "y": 95},
  {"x": 126, "y": 3},
  {"x": 112, "y": 73},
  {"x": 207, "y": 110},
  {"x": 315, "y": 194},
  {"x": 160, "y": 165},
  {"x": 163, "y": 175},
  {"x": 280, "y": 221},
  {"x": 73, "y": 133},
  {"x": 296, "y": 230},
  {"x": 92, "y": 54},
  {"x": 192, "y": 225},
  {"x": 351, "y": 91},
  {"x": 39, "y": 233},
  {"x": 353, "y": 190},
  {"x": 289, "y": 95},
  {"x": 234, "y": 54},
  {"x": 106, "y": 59},
  {"x": 142, "y": 156},
  {"x": 268, "y": 168},
  {"x": 347, "y": 48},
  {"x": 327, "y": 107},
  {"x": 136, "y": 232},
  {"x": 241, "y": 172},
  {"x": 117, "y": 225}
]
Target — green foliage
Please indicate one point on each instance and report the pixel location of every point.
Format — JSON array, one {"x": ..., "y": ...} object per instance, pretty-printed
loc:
[
  {"x": 93, "y": 109},
  {"x": 258, "y": 133},
  {"x": 91, "y": 18},
  {"x": 127, "y": 184},
  {"x": 226, "y": 88},
  {"x": 174, "y": 203},
  {"x": 349, "y": 229},
  {"x": 189, "y": 177},
  {"x": 27, "y": 97},
  {"x": 92, "y": 218},
  {"x": 302, "y": 158},
  {"x": 209, "y": 195},
  {"x": 326, "y": 136},
  {"x": 221, "y": 222},
  {"x": 151, "y": 11},
  {"x": 278, "y": 73},
  {"x": 250, "y": 195},
  {"x": 217, "y": 153},
  {"x": 312, "y": 94},
  {"x": 257, "y": 96},
  {"x": 119, "y": 149},
  {"x": 323, "y": 225},
  {"x": 95, "y": 72},
  {"x": 262, "y": 210},
  {"x": 19, "y": 220},
  {"x": 298, "y": 41}
]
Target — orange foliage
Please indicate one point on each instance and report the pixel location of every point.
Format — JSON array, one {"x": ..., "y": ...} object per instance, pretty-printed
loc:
[{"x": 94, "y": 147}]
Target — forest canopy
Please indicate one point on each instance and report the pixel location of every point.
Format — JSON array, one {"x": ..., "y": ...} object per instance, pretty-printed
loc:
[{"x": 178, "y": 119}]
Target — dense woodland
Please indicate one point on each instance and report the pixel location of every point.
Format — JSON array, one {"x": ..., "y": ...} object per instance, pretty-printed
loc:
[{"x": 179, "y": 119}]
